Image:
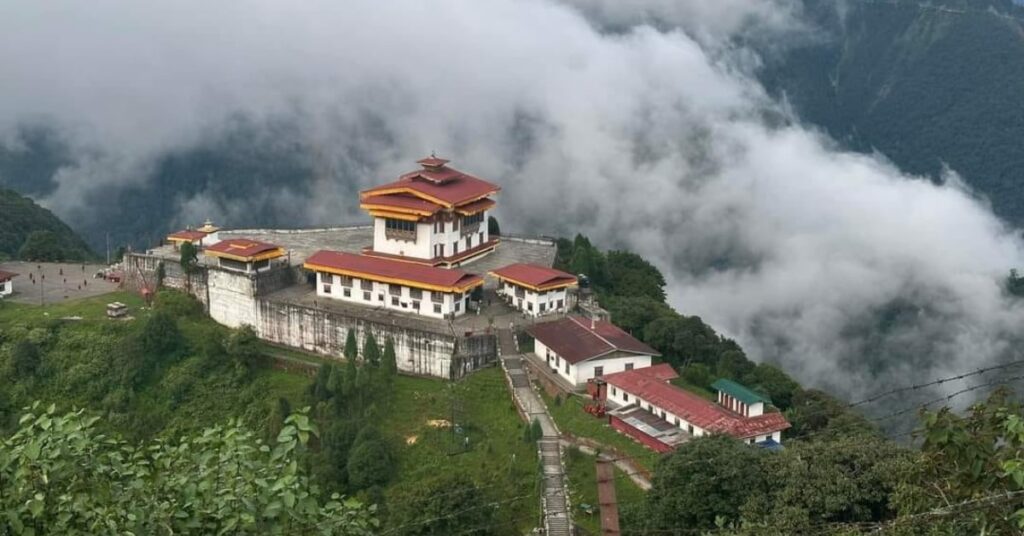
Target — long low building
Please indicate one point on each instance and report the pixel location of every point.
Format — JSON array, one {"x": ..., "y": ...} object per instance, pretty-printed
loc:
[
  {"x": 404, "y": 286},
  {"x": 535, "y": 290},
  {"x": 681, "y": 414},
  {"x": 580, "y": 349}
]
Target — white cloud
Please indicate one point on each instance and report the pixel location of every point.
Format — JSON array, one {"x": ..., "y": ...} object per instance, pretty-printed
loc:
[{"x": 641, "y": 137}]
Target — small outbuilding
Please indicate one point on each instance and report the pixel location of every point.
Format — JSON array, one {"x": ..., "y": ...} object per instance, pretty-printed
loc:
[
  {"x": 7, "y": 283},
  {"x": 580, "y": 349},
  {"x": 245, "y": 255},
  {"x": 202, "y": 237},
  {"x": 535, "y": 290}
]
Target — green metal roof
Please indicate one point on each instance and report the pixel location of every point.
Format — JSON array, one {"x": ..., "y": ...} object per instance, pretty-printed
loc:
[{"x": 739, "y": 392}]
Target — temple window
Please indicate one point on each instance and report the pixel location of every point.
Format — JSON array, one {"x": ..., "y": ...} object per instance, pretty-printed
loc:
[{"x": 400, "y": 229}]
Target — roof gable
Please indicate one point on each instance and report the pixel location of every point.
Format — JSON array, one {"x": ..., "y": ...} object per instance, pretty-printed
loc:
[
  {"x": 576, "y": 339},
  {"x": 437, "y": 183},
  {"x": 535, "y": 276}
]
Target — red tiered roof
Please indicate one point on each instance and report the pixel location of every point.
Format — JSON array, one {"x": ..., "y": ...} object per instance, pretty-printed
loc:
[
  {"x": 244, "y": 248},
  {"x": 693, "y": 408},
  {"x": 392, "y": 271},
  {"x": 535, "y": 276},
  {"x": 400, "y": 201},
  {"x": 437, "y": 183},
  {"x": 575, "y": 340},
  {"x": 7, "y": 276}
]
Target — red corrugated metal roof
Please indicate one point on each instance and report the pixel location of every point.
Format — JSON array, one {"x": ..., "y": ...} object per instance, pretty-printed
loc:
[
  {"x": 241, "y": 247},
  {"x": 693, "y": 408},
  {"x": 443, "y": 183},
  {"x": 661, "y": 372},
  {"x": 7, "y": 276},
  {"x": 574, "y": 340},
  {"x": 535, "y": 276},
  {"x": 377, "y": 268}
]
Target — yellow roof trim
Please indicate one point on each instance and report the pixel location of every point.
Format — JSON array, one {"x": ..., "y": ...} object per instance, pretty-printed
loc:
[
  {"x": 394, "y": 280},
  {"x": 394, "y": 215},
  {"x": 389, "y": 208},
  {"x": 272, "y": 254},
  {"x": 179, "y": 239},
  {"x": 544, "y": 288}
]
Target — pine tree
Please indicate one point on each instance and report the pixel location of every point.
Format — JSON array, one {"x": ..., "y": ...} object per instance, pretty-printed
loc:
[
  {"x": 390, "y": 361},
  {"x": 320, "y": 389},
  {"x": 371, "y": 352},
  {"x": 351, "y": 346}
]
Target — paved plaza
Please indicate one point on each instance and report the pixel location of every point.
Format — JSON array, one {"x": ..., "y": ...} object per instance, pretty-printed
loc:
[{"x": 55, "y": 282}]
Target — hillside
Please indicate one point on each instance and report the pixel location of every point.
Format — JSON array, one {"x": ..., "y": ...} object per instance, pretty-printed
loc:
[
  {"x": 926, "y": 85},
  {"x": 31, "y": 232}
]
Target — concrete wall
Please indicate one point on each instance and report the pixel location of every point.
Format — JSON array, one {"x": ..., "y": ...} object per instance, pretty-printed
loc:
[
  {"x": 141, "y": 270},
  {"x": 417, "y": 352},
  {"x": 235, "y": 299},
  {"x": 6, "y": 288}
]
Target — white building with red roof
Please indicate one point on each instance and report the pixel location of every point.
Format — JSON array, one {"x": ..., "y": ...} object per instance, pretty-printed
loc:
[
  {"x": 662, "y": 415},
  {"x": 203, "y": 236},
  {"x": 436, "y": 215},
  {"x": 245, "y": 255},
  {"x": 392, "y": 284},
  {"x": 580, "y": 349},
  {"x": 535, "y": 290},
  {"x": 6, "y": 283}
]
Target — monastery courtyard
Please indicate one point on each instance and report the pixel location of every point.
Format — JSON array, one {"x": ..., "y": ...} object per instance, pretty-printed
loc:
[{"x": 58, "y": 281}]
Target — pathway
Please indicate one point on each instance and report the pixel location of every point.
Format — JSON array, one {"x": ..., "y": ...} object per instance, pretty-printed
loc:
[{"x": 554, "y": 498}]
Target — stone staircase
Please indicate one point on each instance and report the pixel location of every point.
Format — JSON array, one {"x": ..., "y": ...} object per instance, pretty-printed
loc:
[{"x": 554, "y": 491}]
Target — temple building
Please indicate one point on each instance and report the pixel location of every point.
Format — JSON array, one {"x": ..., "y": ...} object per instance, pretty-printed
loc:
[
  {"x": 436, "y": 215},
  {"x": 6, "y": 283},
  {"x": 204, "y": 236},
  {"x": 535, "y": 290},
  {"x": 580, "y": 349},
  {"x": 245, "y": 255},
  {"x": 663, "y": 416},
  {"x": 392, "y": 284}
]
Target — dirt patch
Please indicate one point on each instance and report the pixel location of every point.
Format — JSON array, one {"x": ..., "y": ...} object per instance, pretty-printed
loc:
[
  {"x": 411, "y": 440},
  {"x": 439, "y": 423}
]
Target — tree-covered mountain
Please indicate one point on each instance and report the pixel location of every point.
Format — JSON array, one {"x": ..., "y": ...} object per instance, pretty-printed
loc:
[
  {"x": 928, "y": 84},
  {"x": 29, "y": 231}
]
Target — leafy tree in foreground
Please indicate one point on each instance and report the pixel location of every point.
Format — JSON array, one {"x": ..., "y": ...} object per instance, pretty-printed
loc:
[
  {"x": 448, "y": 503},
  {"x": 966, "y": 459},
  {"x": 61, "y": 476},
  {"x": 706, "y": 479},
  {"x": 847, "y": 480}
]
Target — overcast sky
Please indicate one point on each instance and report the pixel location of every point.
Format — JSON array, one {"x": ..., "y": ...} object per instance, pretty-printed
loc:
[{"x": 637, "y": 123}]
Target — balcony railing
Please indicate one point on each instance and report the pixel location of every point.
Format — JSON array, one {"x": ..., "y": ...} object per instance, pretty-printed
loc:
[{"x": 470, "y": 228}]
